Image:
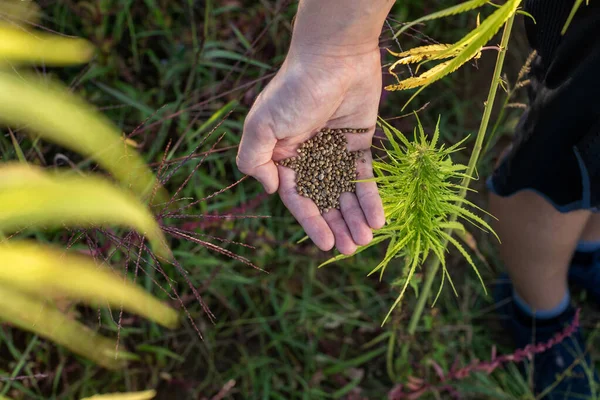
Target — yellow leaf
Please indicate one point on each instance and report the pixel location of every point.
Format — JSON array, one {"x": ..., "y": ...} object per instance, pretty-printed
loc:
[
  {"x": 432, "y": 48},
  {"x": 47, "y": 109},
  {"x": 419, "y": 54},
  {"x": 420, "y": 80},
  {"x": 37, "y": 269},
  {"x": 147, "y": 395},
  {"x": 12, "y": 173},
  {"x": 30, "y": 197},
  {"x": 33, "y": 314},
  {"x": 131, "y": 142},
  {"x": 424, "y": 53},
  {"x": 22, "y": 46}
]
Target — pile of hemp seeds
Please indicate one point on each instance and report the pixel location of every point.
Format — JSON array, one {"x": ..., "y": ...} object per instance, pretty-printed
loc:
[{"x": 325, "y": 168}]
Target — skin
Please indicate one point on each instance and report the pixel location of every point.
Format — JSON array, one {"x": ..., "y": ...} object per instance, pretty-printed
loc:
[
  {"x": 331, "y": 77},
  {"x": 537, "y": 245}
]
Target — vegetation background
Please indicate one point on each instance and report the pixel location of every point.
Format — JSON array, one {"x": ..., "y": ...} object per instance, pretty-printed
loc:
[{"x": 178, "y": 77}]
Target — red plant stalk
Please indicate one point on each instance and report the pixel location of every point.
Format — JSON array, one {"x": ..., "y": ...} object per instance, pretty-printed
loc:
[
  {"x": 414, "y": 390},
  {"x": 213, "y": 219}
]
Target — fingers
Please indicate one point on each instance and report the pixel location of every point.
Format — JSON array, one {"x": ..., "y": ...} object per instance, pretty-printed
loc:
[
  {"x": 343, "y": 238},
  {"x": 359, "y": 141},
  {"x": 305, "y": 211},
  {"x": 355, "y": 219},
  {"x": 367, "y": 193},
  {"x": 256, "y": 152},
  {"x": 347, "y": 228}
]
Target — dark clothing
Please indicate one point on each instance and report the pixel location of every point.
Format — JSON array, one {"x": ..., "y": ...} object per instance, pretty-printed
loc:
[{"x": 556, "y": 150}]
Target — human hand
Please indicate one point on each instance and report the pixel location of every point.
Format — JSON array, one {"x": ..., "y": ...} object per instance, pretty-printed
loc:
[{"x": 312, "y": 91}]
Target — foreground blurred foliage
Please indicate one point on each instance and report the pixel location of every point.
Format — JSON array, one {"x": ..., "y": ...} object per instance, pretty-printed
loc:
[
  {"x": 33, "y": 277},
  {"x": 146, "y": 395}
]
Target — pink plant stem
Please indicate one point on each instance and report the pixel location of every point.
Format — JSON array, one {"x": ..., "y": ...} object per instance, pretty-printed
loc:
[{"x": 457, "y": 374}]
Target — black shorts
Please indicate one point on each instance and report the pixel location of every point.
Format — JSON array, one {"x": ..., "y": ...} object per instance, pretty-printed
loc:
[{"x": 556, "y": 150}]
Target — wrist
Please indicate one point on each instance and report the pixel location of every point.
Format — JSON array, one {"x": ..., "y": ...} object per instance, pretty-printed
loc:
[
  {"x": 339, "y": 27},
  {"x": 324, "y": 50}
]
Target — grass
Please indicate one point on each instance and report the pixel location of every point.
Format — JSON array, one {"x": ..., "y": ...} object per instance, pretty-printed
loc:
[{"x": 169, "y": 73}]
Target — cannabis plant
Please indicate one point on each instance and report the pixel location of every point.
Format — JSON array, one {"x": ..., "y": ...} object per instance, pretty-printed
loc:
[
  {"x": 420, "y": 187},
  {"x": 34, "y": 276}
]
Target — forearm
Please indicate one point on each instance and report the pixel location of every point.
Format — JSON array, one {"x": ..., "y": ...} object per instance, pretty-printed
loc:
[{"x": 338, "y": 26}]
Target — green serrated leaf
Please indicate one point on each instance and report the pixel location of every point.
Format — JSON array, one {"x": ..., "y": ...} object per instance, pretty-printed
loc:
[
  {"x": 457, "y": 9},
  {"x": 469, "y": 46}
]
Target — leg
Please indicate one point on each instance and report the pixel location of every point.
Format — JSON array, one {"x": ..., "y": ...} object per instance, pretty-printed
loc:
[
  {"x": 591, "y": 233},
  {"x": 553, "y": 141},
  {"x": 537, "y": 245},
  {"x": 585, "y": 265}
]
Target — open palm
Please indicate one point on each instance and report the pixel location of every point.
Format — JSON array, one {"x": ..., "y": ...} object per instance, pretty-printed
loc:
[{"x": 307, "y": 94}]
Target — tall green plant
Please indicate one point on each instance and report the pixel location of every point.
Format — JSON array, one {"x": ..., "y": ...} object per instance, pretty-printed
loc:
[
  {"x": 496, "y": 78},
  {"x": 423, "y": 191},
  {"x": 420, "y": 187}
]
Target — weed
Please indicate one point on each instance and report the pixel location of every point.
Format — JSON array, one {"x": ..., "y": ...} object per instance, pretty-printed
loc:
[{"x": 420, "y": 187}]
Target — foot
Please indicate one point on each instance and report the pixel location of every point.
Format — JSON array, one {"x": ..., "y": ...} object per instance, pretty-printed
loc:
[
  {"x": 584, "y": 272},
  {"x": 565, "y": 370}
]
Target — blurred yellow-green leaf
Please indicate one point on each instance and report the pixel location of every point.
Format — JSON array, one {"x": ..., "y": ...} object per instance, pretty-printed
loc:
[
  {"x": 33, "y": 277},
  {"x": 30, "y": 197},
  {"x": 49, "y": 110},
  {"x": 36, "y": 315},
  {"x": 146, "y": 395},
  {"x": 40, "y": 270},
  {"x": 22, "y": 46}
]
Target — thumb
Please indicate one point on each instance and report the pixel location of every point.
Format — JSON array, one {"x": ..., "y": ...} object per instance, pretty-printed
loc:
[{"x": 255, "y": 155}]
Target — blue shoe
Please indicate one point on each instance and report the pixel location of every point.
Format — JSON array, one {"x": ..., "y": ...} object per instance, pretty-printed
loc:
[
  {"x": 584, "y": 272},
  {"x": 566, "y": 358}
]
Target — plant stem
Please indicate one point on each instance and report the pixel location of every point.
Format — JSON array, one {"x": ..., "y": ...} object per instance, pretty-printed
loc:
[{"x": 435, "y": 263}]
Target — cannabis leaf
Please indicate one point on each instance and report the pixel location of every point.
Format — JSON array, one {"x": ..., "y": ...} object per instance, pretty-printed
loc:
[
  {"x": 457, "y": 9},
  {"x": 466, "y": 49}
]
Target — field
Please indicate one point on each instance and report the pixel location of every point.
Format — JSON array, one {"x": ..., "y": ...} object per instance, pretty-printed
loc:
[{"x": 178, "y": 77}]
